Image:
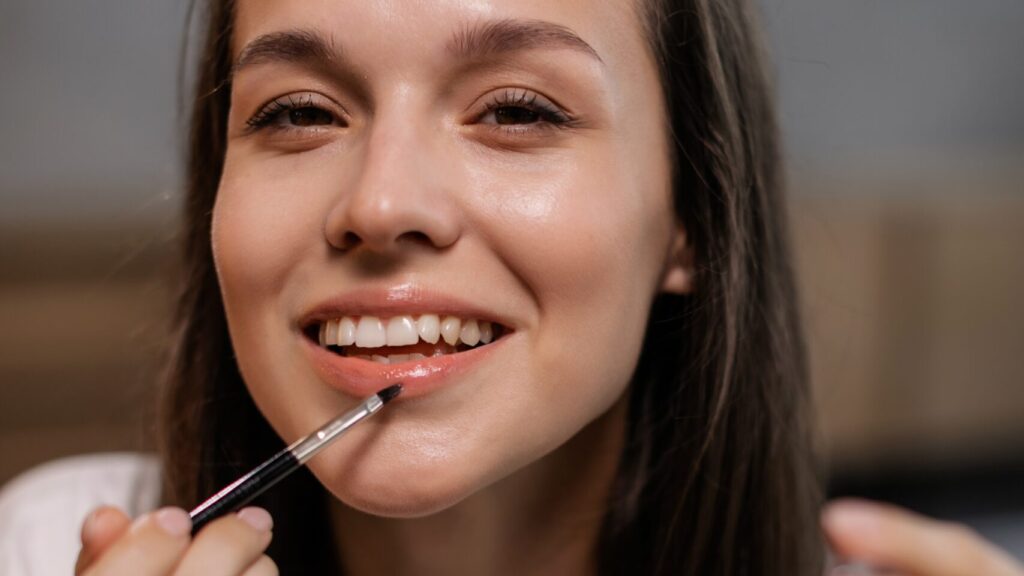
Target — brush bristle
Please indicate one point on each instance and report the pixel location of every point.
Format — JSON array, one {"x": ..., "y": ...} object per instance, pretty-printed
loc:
[{"x": 389, "y": 393}]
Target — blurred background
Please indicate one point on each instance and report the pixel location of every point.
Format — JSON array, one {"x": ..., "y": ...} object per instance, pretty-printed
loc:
[{"x": 904, "y": 128}]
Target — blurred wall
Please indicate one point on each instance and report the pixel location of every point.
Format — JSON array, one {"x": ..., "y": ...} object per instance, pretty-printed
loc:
[
  {"x": 905, "y": 140},
  {"x": 89, "y": 109}
]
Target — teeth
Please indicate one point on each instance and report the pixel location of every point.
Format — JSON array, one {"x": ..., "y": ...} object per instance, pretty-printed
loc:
[
  {"x": 402, "y": 331},
  {"x": 429, "y": 328},
  {"x": 390, "y": 358},
  {"x": 332, "y": 332},
  {"x": 346, "y": 332},
  {"x": 450, "y": 329},
  {"x": 374, "y": 332},
  {"x": 470, "y": 333},
  {"x": 370, "y": 333}
]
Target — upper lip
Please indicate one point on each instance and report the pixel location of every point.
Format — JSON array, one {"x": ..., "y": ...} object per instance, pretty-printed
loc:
[{"x": 406, "y": 299}]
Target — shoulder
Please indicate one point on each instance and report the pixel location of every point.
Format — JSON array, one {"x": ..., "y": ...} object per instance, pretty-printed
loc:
[{"x": 41, "y": 510}]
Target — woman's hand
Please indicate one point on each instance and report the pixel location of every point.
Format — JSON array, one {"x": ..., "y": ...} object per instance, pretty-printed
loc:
[
  {"x": 159, "y": 543},
  {"x": 908, "y": 543}
]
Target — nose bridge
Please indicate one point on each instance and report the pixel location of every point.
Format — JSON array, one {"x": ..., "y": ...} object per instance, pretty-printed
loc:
[
  {"x": 395, "y": 144},
  {"x": 396, "y": 194}
]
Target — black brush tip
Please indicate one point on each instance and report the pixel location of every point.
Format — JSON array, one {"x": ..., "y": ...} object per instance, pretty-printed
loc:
[{"x": 389, "y": 393}]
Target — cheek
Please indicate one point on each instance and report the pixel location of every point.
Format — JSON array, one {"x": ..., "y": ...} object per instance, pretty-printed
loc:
[
  {"x": 258, "y": 235},
  {"x": 267, "y": 224},
  {"x": 258, "y": 229},
  {"x": 575, "y": 225},
  {"x": 587, "y": 234}
]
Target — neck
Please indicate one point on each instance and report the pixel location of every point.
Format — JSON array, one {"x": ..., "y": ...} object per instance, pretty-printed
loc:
[{"x": 543, "y": 519}]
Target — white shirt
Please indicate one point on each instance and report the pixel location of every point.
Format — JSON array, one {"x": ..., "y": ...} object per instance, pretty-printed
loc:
[{"x": 41, "y": 511}]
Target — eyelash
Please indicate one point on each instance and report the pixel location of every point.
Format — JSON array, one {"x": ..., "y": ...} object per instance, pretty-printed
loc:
[
  {"x": 271, "y": 112},
  {"x": 549, "y": 116}
]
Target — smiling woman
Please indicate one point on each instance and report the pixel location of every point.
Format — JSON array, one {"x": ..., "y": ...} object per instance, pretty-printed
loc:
[
  {"x": 495, "y": 172},
  {"x": 559, "y": 225},
  {"x": 502, "y": 164}
]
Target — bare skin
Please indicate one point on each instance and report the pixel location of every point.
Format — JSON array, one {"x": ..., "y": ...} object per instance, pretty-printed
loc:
[
  {"x": 159, "y": 543},
  {"x": 905, "y": 543},
  {"x": 394, "y": 175}
]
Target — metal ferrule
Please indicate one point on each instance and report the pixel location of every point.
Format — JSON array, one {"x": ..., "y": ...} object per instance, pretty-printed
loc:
[{"x": 305, "y": 448}]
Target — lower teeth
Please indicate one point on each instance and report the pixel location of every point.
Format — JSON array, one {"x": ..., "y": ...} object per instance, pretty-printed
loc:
[
  {"x": 423, "y": 353},
  {"x": 392, "y": 358}
]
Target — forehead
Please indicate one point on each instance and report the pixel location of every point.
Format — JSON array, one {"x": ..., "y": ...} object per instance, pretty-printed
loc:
[{"x": 388, "y": 32}]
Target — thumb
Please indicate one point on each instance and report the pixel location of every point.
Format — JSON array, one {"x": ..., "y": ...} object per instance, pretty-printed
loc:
[{"x": 101, "y": 528}]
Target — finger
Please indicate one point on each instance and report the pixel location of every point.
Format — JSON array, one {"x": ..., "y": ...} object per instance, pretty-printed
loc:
[
  {"x": 263, "y": 567},
  {"x": 229, "y": 545},
  {"x": 901, "y": 540},
  {"x": 152, "y": 545},
  {"x": 100, "y": 529}
]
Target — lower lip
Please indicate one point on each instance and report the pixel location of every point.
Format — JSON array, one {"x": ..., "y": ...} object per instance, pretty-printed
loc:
[{"x": 360, "y": 378}]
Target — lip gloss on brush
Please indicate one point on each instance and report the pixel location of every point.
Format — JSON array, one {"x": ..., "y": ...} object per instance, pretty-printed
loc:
[{"x": 240, "y": 492}]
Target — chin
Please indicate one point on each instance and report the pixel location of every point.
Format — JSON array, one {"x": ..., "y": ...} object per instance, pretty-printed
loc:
[
  {"x": 383, "y": 489},
  {"x": 402, "y": 500}
]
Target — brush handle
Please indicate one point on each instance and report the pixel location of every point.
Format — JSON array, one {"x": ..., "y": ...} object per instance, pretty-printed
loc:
[{"x": 240, "y": 492}]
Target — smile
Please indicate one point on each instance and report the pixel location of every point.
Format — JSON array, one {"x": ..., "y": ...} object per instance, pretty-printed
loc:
[{"x": 404, "y": 338}]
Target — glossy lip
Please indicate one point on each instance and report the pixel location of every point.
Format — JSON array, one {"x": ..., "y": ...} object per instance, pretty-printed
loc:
[{"x": 358, "y": 377}]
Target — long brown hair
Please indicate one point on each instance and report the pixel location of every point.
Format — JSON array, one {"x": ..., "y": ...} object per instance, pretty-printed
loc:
[{"x": 718, "y": 475}]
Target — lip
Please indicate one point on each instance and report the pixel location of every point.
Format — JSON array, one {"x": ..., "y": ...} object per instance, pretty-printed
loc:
[{"x": 359, "y": 378}]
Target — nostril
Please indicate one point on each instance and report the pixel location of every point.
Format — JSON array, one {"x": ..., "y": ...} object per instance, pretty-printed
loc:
[
  {"x": 416, "y": 237},
  {"x": 350, "y": 240}
]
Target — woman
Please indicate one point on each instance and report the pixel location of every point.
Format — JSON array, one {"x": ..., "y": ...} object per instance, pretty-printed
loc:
[{"x": 595, "y": 186}]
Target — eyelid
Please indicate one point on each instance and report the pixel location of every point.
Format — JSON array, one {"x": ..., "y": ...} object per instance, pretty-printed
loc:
[
  {"x": 273, "y": 108},
  {"x": 552, "y": 114}
]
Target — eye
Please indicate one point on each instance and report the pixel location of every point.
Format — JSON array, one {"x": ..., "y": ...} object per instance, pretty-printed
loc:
[
  {"x": 293, "y": 112},
  {"x": 520, "y": 110}
]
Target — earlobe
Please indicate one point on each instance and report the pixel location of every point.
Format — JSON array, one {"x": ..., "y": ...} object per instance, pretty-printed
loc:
[{"x": 678, "y": 276}]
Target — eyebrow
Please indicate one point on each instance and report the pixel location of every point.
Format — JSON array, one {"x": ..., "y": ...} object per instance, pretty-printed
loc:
[
  {"x": 473, "y": 42},
  {"x": 484, "y": 39},
  {"x": 289, "y": 46}
]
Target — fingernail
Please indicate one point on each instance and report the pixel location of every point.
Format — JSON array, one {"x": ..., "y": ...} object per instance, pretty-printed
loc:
[
  {"x": 258, "y": 518},
  {"x": 89, "y": 526},
  {"x": 174, "y": 521}
]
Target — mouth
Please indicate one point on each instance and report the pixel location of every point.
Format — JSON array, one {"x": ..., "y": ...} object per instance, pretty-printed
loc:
[{"x": 403, "y": 339}]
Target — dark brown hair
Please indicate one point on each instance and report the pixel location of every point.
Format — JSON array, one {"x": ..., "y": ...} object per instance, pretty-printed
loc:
[{"x": 718, "y": 474}]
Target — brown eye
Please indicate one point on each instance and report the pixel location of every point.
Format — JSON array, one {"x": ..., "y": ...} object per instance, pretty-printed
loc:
[
  {"x": 521, "y": 111},
  {"x": 515, "y": 115},
  {"x": 295, "y": 112},
  {"x": 310, "y": 116}
]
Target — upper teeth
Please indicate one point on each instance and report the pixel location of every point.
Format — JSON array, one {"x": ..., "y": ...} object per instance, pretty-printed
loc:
[{"x": 374, "y": 332}]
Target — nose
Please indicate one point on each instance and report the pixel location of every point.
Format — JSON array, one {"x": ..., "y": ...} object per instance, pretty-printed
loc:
[{"x": 398, "y": 194}]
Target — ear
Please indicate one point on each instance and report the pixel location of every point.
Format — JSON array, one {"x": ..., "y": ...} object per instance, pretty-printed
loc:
[{"x": 678, "y": 274}]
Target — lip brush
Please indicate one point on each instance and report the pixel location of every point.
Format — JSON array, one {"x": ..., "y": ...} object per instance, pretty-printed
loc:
[{"x": 240, "y": 492}]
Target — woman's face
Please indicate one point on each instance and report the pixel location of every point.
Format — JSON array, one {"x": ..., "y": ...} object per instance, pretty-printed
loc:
[{"x": 502, "y": 163}]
